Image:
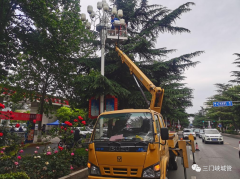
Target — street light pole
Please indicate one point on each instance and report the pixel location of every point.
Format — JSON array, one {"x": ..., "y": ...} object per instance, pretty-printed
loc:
[
  {"x": 102, "y": 65},
  {"x": 102, "y": 29}
]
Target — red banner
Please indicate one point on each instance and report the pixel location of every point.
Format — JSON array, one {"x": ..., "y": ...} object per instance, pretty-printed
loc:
[{"x": 20, "y": 116}]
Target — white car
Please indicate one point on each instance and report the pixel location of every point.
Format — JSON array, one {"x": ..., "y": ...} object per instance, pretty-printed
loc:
[
  {"x": 84, "y": 130},
  {"x": 212, "y": 135},
  {"x": 187, "y": 132},
  {"x": 201, "y": 133}
]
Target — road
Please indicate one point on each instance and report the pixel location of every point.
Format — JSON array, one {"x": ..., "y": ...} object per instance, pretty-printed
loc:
[{"x": 221, "y": 157}]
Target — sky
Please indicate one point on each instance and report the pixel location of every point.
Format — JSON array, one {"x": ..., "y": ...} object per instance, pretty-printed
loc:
[{"x": 215, "y": 29}]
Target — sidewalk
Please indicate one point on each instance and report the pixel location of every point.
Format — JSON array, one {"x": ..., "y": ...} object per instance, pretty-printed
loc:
[{"x": 231, "y": 135}]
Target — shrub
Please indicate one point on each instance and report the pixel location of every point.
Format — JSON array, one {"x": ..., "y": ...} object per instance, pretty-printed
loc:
[
  {"x": 54, "y": 164},
  {"x": 18, "y": 175},
  {"x": 46, "y": 166},
  {"x": 80, "y": 157},
  {"x": 231, "y": 132}
]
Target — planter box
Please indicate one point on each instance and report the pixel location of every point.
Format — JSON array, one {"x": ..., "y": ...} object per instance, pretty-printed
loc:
[{"x": 81, "y": 174}]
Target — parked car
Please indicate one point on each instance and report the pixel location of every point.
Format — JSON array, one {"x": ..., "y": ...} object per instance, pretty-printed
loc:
[
  {"x": 197, "y": 131},
  {"x": 23, "y": 126},
  {"x": 84, "y": 130},
  {"x": 187, "y": 132},
  {"x": 201, "y": 133},
  {"x": 212, "y": 135}
]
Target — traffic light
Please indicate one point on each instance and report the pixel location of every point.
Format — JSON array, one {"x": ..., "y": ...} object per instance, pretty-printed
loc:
[
  {"x": 213, "y": 121},
  {"x": 202, "y": 121}
]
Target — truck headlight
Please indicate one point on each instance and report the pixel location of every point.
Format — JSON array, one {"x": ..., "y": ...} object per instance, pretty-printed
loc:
[
  {"x": 92, "y": 169},
  {"x": 152, "y": 171}
]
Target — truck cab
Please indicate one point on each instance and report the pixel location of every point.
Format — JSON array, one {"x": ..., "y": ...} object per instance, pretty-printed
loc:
[{"x": 131, "y": 147}]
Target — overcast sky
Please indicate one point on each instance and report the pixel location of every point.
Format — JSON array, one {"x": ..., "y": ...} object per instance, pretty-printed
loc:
[{"x": 215, "y": 29}]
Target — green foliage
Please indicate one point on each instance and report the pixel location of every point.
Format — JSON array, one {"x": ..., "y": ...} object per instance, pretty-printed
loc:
[
  {"x": 236, "y": 74},
  {"x": 229, "y": 116},
  {"x": 18, "y": 175},
  {"x": 46, "y": 166},
  {"x": 49, "y": 39},
  {"x": 10, "y": 139},
  {"x": 231, "y": 132},
  {"x": 68, "y": 114},
  {"x": 80, "y": 157}
]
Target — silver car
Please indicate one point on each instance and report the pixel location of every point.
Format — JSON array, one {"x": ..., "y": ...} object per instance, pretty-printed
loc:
[
  {"x": 187, "y": 132},
  {"x": 201, "y": 132}
]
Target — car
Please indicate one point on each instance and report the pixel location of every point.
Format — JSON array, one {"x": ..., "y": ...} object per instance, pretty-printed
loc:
[
  {"x": 84, "y": 130},
  {"x": 197, "y": 131},
  {"x": 201, "y": 133},
  {"x": 212, "y": 135},
  {"x": 24, "y": 127},
  {"x": 187, "y": 132}
]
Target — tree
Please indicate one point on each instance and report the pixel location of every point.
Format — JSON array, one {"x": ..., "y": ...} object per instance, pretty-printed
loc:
[
  {"x": 226, "y": 92},
  {"x": 52, "y": 43},
  {"x": 236, "y": 73},
  {"x": 68, "y": 114},
  {"x": 9, "y": 44},
  {"x": 145, "y": 23}
]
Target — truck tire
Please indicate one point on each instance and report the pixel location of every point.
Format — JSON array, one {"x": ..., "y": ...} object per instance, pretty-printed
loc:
[{"x": 173, "y": 163}]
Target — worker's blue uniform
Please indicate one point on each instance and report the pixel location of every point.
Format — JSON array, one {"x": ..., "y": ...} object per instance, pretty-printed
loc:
[{"x": 112, "y": 21}]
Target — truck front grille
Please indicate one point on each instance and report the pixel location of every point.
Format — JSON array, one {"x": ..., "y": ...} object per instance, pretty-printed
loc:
[
  {"x": 120, "y": 171},
  {"x": 117, "y": 171}
]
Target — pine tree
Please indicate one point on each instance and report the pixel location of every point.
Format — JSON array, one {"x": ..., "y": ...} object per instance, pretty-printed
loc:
[{"x": 236, "y": 73}]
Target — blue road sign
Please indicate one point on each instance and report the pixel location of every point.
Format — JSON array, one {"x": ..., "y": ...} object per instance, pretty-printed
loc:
[
  {"x": 222, "y": 103},
  {"x": 219, "y": 125}
]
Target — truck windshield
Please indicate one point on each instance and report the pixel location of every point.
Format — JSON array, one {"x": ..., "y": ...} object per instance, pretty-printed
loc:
[{"x": 124, "y": 127}]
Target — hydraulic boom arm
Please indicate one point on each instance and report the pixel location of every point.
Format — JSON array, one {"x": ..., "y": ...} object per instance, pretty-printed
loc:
[{"x": 157, "y": 92}]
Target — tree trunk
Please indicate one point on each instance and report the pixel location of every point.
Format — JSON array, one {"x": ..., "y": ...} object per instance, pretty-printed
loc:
[{"x": 42, "y": 101}]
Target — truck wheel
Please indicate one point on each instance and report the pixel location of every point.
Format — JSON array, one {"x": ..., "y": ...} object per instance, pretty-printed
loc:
[{"x": 173, "y": 164}]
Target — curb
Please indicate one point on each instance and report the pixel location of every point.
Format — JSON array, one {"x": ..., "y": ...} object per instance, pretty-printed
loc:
[
  {"x": 231, "y": 135},
  {"x": 81, "y": 174}
]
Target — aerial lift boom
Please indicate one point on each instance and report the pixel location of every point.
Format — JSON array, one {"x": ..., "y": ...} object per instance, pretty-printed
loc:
[{"x": 157, "y": 92}]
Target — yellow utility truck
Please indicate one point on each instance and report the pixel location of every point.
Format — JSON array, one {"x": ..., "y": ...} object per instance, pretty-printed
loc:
[{"x": 135, "y": 143}]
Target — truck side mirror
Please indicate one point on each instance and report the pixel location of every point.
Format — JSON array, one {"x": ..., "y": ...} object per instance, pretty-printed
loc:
[{"x": 164, "y": 133}]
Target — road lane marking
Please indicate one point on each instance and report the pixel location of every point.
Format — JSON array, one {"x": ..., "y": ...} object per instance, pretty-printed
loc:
[
  {"x": 193, "y": 177},
  {"x": 191, "y": 157},
  {"x": 235, "y": 148}
]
